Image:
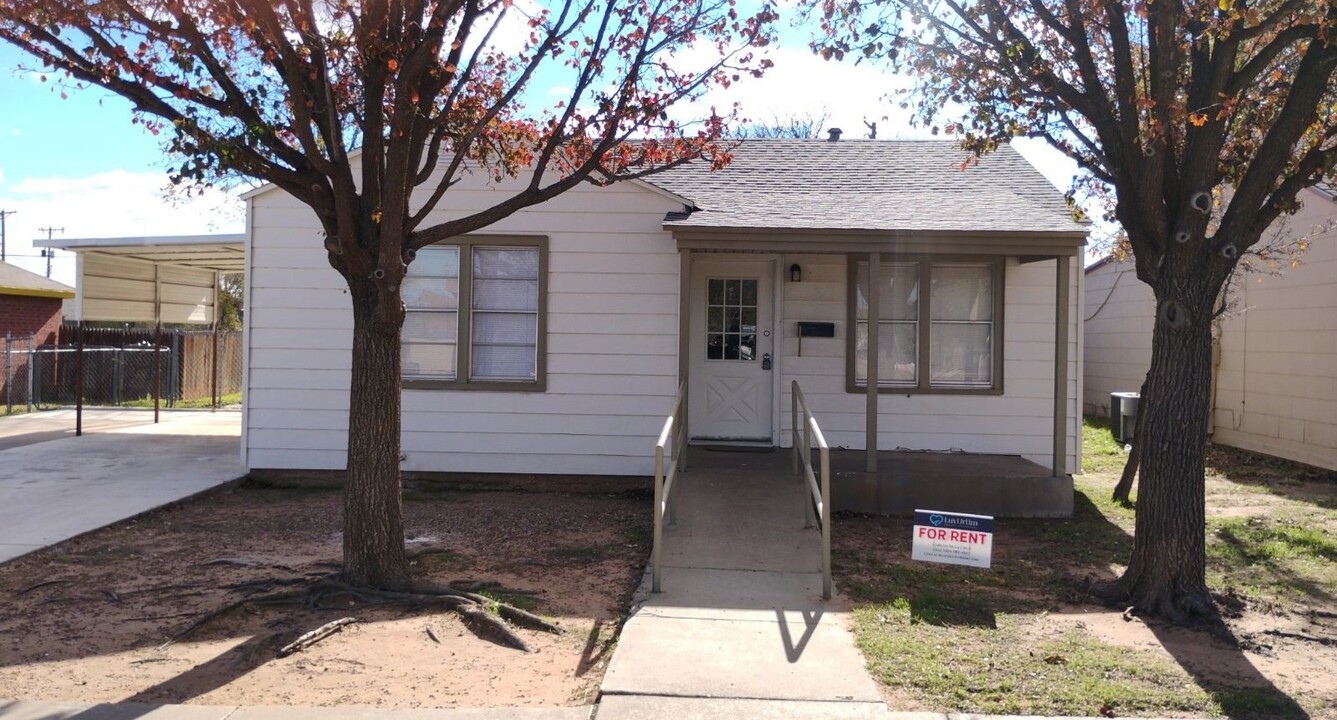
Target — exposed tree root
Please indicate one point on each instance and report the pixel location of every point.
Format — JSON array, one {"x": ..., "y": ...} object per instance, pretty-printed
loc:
[
  {"x": 42, "y": 584},
  {"x": 1179, "y": 608},
  {"x": 1331, "y": 642},
  {"x": 482, "y": 615},
  {"x": 315, "y": 636}
]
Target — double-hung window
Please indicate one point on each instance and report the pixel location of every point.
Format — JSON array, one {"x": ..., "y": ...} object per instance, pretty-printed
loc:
[
  {"x": 475, "y": 315},
  {"x": 939, "y": 326}
]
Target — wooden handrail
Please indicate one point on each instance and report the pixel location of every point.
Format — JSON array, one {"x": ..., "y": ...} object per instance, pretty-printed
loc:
[
  {"x": 820, "y": 494},
  {"x": 664, "y": 482}
]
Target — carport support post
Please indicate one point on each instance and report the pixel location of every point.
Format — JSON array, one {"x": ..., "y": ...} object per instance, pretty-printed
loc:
[
  {"x": 9, "y": 377},
  {"x": 213, "y": 373},
  {"x": 1061, "y": 320},
  {"x": 157, "y": 369},
  {"x": 32, "y": 357},
  {"x": 79, "y": 379},
  {"x": 874, "y": 272}
]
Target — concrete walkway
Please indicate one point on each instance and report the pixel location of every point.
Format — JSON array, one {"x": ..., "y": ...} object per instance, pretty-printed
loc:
[
  {"x": 53, "y": 490},
  {"x": 741, "y": 629}
]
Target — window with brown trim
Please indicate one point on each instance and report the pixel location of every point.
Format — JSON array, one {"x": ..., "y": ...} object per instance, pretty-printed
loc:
[
  {"x": 475, "y": 315},
  {"x": 945, "y": 340}
]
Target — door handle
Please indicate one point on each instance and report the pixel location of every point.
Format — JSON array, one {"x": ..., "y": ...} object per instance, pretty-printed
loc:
[{"x": 766, "y": 361}]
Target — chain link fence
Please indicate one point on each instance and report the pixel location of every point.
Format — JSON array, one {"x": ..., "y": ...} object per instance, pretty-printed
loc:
[{"x": 122, "y": 368}]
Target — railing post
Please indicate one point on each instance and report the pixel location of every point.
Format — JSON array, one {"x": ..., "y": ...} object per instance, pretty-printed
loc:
[
  {"x": 826, "y": 523},
  {"x": 682, "y": 411},
  {"x": 656, "y": 571},
  {"x": 793, "y": 425}
]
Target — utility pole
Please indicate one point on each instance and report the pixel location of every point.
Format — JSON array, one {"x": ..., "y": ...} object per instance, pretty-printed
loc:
[
  {"x": 4, "y": 214},
  {"x": 49, "y": 253}
]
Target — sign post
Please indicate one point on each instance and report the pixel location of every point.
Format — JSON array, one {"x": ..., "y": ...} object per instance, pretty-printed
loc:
[{"x": 953, "y": 538}]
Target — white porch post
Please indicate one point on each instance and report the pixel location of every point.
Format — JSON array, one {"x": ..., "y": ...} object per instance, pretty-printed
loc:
[
  {"x": 684, "y": 344},
  {"x": 1061, "y": 320},
  {"x": 874, "y": 261}
]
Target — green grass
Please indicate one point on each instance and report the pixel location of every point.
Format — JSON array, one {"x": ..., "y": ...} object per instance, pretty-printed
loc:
[
  {"x": 193, "y": 404},
  {"x": 1007, "y": 670},
  {"x": 22, "y": 408},
  {"x": 1273, "y": 562},
  {"x": 964, "y": 640},
  {"x": 1099, "y": 451}
]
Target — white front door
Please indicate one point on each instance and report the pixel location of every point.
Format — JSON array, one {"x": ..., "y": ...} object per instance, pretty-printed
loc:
[{"x": 730, "y": 376}]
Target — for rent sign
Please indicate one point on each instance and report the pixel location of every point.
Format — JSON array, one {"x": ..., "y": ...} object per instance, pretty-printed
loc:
[{"x": 955, "y": 538}]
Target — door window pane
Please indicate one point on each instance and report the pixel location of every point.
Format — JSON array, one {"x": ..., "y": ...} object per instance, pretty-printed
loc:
[{"x": 731, "y": 319}]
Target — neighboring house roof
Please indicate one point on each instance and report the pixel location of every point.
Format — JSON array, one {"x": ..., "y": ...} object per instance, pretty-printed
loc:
[
  {"x": 869, "y": 186},
  {"x": 15, "y": 280}
]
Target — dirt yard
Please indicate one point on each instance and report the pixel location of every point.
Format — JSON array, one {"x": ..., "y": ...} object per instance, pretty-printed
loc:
[{"x": 87, "y": 620}]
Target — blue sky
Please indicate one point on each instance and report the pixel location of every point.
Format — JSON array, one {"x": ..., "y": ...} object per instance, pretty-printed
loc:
[{"x": 79, "y": 164}]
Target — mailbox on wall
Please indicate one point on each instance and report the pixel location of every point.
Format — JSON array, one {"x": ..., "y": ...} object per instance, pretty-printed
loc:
[{"x": 814, "y": 330}]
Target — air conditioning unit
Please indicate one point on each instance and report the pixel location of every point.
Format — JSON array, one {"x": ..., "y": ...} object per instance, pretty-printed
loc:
[{"x": 1123, "y": 415}]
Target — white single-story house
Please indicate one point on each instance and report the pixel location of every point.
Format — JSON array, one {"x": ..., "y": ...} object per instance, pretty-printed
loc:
[
  {"x": 555, "y": 341},
  {"x": 1274, "y": 387}
]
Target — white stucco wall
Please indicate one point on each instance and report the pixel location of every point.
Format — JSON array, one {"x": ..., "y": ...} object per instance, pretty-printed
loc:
[{"x": 1276, "y": 380}]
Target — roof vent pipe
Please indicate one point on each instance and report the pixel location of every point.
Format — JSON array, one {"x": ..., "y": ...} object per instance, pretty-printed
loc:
[{"x": 833, "y": 134}]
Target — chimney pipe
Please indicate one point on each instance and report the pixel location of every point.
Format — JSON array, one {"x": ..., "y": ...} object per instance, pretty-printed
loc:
[{"x": 833, "y": 135}]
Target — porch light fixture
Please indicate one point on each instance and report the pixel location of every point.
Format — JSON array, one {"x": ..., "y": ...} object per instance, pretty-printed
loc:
[{"x": 795, "y": 273}]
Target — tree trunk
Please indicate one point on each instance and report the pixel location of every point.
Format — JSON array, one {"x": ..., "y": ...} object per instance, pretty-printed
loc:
[
  {"x": 373, "y": 508},
  {"x": 1123, "y": 490},
  {"x": 1166, "y": 575}
]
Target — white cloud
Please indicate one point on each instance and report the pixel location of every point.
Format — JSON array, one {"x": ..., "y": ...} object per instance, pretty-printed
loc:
[
  {"x": 802, "y": 84},
  {"x": 110, "y": 204},
  {"x": 15, "y": 131}
]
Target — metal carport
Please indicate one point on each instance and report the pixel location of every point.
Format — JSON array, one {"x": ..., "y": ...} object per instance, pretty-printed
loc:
[{"x": 154, "y": 279}]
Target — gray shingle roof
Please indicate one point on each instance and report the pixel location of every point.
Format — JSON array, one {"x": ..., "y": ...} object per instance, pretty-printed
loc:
[{"x": 868, "y": 185}]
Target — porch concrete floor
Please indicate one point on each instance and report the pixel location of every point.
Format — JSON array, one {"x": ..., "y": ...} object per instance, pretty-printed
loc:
[
  {"x": 986, "y": 484},
  {"x": 741, "y": 615}
]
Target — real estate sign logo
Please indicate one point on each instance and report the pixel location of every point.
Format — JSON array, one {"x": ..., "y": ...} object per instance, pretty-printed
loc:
[{"x": 953, "y": 538}]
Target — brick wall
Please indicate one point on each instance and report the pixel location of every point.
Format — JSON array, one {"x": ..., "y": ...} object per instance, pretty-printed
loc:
[{"x": 21, "y": 316}]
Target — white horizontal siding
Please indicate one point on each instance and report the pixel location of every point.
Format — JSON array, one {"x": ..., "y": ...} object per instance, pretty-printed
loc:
[
  {"x": 1117, "y": 348},
  {"x": 1276, "y": 382},
  {"x": 1018, "y": 422},
  {"x": 612, "y": 346}
]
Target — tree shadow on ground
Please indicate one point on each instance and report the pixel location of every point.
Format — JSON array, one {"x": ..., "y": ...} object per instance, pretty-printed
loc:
[
  {"x": 1277, "y": 476},
  {"x": 1212, "y": 654},
  {"x": 206, "y": 677}
]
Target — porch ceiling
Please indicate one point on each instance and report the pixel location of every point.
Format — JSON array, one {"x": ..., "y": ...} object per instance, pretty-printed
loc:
[{"x": 917, "y": 242}]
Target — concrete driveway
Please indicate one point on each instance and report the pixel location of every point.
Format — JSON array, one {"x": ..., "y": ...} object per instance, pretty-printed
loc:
[{"x": 54, "y": 486}]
